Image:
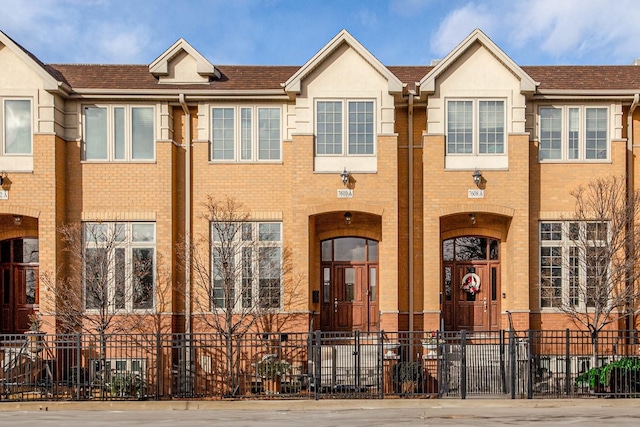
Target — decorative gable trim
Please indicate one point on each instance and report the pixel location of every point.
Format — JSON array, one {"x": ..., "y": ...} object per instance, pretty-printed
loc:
[
  {"x": 428, "y": 82},
  {"x": 160, "y": 67},
  {"x": 294, "y": 84},
  {"x": 49, "y": 82}
]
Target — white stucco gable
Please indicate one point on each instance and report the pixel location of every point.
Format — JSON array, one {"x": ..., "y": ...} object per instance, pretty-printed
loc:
[
  {"x": 294, "y": 84},
  {"x": 477, "y": 37},
  {"x": 181, "y": 63},
  {"x": 18, "y": 59}
]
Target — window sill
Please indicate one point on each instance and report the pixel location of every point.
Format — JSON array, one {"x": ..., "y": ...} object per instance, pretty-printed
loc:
[
  {"x": 574, "y": 162},
  {"x": 362, "y": 164},
  {"x": 245, "y": 162},
  {"x": 16, "y": 163},
  {"x": 118, "y": 162},
  {"x": 470, "y": 162}
]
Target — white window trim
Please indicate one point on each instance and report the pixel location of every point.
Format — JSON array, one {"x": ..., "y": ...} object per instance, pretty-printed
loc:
[
  {"x": 475, "y": 159},
  {"x": 237, "y": 133},
  {"x": 345, "y": 128},
  {"x": 128, "y": 244},
  {"x": 581, "y": 132},
  {"x": 255, "y": 244},
  {"x": 3, "y": 100},
  {"x": 128, "y": 158},
  {"x": 565, "y": 244}
]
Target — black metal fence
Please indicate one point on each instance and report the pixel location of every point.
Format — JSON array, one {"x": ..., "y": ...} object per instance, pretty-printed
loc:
[{"x": 510, "y": 364}]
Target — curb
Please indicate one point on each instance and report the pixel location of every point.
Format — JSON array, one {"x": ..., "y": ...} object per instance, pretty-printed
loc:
[{"x": 308, "y": 405}]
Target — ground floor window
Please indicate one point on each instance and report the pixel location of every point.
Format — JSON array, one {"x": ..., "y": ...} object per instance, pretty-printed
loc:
[
  {"x": 119, "y": 265},
  {"x": 573, "y": 261},
  {"x": 246, "y": 265}
]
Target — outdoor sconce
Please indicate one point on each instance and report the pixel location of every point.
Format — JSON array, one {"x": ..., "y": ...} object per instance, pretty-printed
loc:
[
  {"x": 3, "y": 176},
  {"x": 345, "y": 177},
  {"x": 17, "y": 219},
  {"x": 477, "y": 177},
  {"x": 347, "y": 218},
  {"x": 472, "y": 218}
]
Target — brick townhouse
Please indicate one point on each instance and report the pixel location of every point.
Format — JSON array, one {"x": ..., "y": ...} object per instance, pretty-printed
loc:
[{"x": 375, "y": 178}]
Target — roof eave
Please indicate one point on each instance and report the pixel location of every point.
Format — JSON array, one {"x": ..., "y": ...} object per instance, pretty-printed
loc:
[
  {"x": 167, "y": 93},
  {"x": 581, "y": 93}
]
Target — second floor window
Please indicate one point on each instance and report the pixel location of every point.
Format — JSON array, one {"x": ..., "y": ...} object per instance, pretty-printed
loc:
[
  {"x": 245, "y": 134},
  {"x": 16, "y": 127},
  {"x": 337, "y": 119},
  {"x": 574, "y": 133},
  {"x": 475, "y": 127},
  {"x": 119, "y": 133}
]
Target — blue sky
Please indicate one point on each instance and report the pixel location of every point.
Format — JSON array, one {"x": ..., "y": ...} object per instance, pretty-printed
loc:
[{"x": 290, "y": 32}]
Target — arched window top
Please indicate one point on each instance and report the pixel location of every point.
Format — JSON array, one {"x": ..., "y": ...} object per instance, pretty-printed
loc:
[
  {"x": 19, "y": 250},
  {"x": 350, "y": 249},
  {"x": 470, "y": 248}
]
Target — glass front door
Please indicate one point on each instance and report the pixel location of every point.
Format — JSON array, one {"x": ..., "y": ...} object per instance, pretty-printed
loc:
[
  {"x": 19, "y": 297},
  {"x": 349, "y": 291},
  {"x": 471, "y": 285}
]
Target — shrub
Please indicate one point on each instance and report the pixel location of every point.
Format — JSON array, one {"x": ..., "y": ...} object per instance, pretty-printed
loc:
[{"x": 626, "y": 365}]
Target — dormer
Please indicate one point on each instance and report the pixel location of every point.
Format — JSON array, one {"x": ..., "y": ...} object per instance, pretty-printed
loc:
[
  {"x": 182, "y": 64},
  {"x": 476, "y": 97},
  {"x": 344, "y": 97}
]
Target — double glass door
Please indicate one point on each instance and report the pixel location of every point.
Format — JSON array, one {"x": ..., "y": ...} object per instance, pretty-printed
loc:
[
  {"x": 19, "y": 296},
  {"x": 471, "y": 284},
  {"x": 349, "y": 292}
]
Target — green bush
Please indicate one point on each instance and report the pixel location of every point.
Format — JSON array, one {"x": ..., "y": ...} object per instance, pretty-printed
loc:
[
  {"x": 603, "y": 373},
  {"x": 125, "y": 384}
]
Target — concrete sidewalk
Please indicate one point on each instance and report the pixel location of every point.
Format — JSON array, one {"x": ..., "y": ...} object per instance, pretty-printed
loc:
[
  {"x": 313, "y": 405},
  {"x": 326, "y": 413}
]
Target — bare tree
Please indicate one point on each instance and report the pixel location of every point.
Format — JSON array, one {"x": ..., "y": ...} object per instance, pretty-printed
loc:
[
  {"x": 239, "y": 269},
  {"x": 105, "y": 286},
  {"x": 599, "y": 258}
]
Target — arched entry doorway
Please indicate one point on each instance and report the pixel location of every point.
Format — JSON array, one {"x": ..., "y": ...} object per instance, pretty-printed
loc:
[
  {"x": 18, "y": 283},
  {"x": 349, "y": 288},
  {"x": 471, "y": 284}
]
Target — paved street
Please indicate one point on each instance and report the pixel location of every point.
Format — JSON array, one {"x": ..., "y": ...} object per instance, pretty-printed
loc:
[{"x": 472, "y": 412}]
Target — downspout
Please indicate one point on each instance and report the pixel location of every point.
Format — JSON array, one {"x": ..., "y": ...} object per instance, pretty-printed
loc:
[
  {"x": 630, "y": 196},
  {"x": 410, "y": 207},
  {"x": 187, "y": 216}
]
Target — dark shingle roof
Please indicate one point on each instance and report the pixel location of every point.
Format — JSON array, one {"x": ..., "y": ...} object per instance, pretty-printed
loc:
[
  {"x": 126, "y": 77},
  {"x": 586, "y": 77},
  {"x": 249, "y": 77}
]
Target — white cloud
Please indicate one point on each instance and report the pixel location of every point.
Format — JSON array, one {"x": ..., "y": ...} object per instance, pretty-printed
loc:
[
  {"x": 367, "y": 17},
  {"x": 574, "y": 31},
  {"x": 459, "y": 24},
  {"x": 124, "y": 45},
  {"x": 579, "y": 28}
]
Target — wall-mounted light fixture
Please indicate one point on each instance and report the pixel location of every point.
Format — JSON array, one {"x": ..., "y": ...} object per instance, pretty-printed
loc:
[
  {"x": 345, "y": 177},
  {"x": 17, "y": 219},
  {"x": 347, "y": 218},
  {"x": 472, "y": 218},
  {"x": 477, "y": 177},
  {"x": 3, "y": 176}
]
